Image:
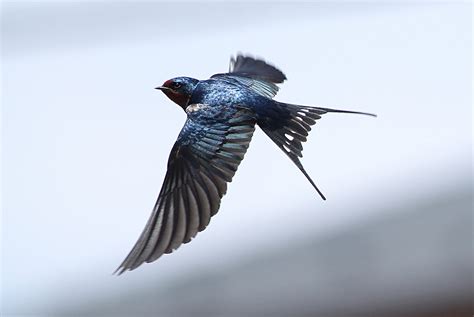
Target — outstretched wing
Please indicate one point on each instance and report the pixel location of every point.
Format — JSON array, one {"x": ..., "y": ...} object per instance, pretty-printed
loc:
[
  {"x": 203, "y": 160},
  {"x": 255, "y": 74}
]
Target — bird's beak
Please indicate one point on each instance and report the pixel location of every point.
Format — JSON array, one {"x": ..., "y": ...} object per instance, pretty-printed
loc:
[{"x": 162, "y": 88}]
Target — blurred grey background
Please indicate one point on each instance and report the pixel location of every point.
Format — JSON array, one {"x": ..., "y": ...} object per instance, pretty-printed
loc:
[{"x": 85, "y": 139}]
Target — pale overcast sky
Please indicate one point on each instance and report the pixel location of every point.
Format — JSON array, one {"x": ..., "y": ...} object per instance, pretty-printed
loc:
[{"x": 86, "y": 137}]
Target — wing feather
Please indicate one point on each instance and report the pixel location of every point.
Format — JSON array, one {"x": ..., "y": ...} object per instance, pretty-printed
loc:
[
  {"x": 203, "y": 160},
  {"x": 255, "y": 68},
  {"x": 253, "y": 73},
  {"x": 192, "y": 214}
]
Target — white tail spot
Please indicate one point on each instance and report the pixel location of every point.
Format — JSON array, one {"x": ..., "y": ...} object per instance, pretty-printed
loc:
[{"x": 287, "y": 149}]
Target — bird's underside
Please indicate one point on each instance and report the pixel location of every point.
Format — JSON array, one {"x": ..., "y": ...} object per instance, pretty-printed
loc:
[{"x": 208, "y": 151}]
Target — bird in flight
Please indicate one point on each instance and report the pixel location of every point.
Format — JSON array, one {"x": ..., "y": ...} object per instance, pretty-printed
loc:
[{"x": 221, "y": 116}]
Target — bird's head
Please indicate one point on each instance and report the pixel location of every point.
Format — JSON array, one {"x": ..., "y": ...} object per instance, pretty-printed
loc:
[{"x": 179, "y": 89}]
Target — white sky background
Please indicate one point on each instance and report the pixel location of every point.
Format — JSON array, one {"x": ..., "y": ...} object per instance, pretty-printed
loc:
[{"x": 86, "y": 137}]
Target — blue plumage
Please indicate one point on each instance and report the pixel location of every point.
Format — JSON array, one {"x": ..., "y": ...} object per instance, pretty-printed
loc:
[{"x": 221, "y": 116}]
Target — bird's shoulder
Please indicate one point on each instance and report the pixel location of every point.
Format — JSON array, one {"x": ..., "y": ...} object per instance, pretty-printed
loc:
[
  {"x": 216, "y": 92},
  {"x": 218, "y": 84}
]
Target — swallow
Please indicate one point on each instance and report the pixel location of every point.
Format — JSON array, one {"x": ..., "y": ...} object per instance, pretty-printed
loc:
[{"x": 222, "y": 113}]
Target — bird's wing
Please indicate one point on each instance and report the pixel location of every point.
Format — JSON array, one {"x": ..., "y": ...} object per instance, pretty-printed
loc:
[
  {"x": 255, "y": 74},
  {"x": 255, "y": 68},
  {"x": 203, "y": 160}
]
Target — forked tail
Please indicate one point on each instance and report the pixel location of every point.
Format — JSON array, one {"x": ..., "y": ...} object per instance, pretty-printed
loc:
[{"x": 289, "y": 125}]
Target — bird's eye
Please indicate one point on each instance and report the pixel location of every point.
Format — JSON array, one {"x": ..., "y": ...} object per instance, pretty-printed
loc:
[{"x": 176, "y": 85}]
